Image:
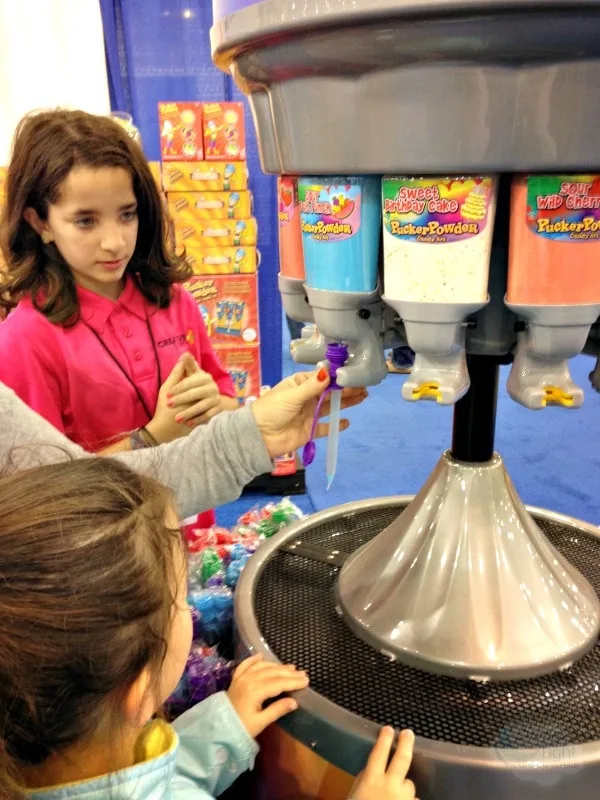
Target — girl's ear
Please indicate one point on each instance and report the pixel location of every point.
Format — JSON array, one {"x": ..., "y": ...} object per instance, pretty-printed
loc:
[
  {"x": 31, "y": 216},
  {"x": 139, "y": 704}
]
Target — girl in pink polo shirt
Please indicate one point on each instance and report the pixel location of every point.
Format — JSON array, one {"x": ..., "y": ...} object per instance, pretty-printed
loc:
[{"x": 100, "y": 338}]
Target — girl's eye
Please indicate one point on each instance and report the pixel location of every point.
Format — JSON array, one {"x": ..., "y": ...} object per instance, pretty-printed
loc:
[
  {"x": 84, "y": 222},
  {"x": 128, "y": 216}
]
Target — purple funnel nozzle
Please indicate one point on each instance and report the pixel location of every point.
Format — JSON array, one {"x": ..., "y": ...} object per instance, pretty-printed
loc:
[{"x": 336, "y": 355}]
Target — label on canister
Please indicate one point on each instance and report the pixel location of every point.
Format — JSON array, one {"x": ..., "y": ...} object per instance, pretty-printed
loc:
[
  {"x": 330, "y": 213},
  {"x": 436, "y": 210},
  {"x": 288, "y": 200},
  {"x": 564, "y": 207}
]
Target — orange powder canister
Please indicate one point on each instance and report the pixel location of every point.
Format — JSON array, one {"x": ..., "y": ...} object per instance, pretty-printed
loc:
[
  {"x": 554, "y": 248},
  {"x": 291, "y": 257}
]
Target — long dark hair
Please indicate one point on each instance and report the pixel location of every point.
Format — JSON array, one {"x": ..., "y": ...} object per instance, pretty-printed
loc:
[
  {"x": 88, "y": 579},
  {"x": 47, "y": 146}
]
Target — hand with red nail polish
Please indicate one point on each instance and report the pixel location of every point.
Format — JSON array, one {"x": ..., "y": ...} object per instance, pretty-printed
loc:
[
  {"x": 163, "y": 427},
  {"x": 188, "y": 398},
  {"x": 197, "y": 397},
  {"x": 284, "y": 415}
]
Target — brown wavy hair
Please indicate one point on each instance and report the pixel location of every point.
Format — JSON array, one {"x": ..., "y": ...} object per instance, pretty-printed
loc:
[
  {"x": 88, "y": 578},
  {"x": 46, "y": 147}
]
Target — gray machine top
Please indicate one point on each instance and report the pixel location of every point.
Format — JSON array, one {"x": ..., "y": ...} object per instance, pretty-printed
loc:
[
  {"x": 376, "y": 86},
  {"x": 276, "y": 16}
]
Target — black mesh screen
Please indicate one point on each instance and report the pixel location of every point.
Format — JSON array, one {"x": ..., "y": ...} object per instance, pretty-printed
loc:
[{"x": 295, "y": 609}]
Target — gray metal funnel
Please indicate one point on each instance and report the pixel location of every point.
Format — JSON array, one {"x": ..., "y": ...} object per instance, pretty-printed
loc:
[{"x": 465, "y": 584}]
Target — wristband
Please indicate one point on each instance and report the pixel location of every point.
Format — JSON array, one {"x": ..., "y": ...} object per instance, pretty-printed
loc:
[
  {"x": 138, "y": 440},
  {"x": 147, "y": 436}
]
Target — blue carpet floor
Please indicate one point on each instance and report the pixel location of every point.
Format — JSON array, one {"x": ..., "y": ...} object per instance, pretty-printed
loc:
[{"x": 553, "y": 456}]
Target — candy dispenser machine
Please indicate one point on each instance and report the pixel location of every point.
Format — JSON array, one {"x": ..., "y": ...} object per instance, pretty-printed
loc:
[
  {"x": 437, "y": 244},
  {"x": 310, "y": 348},
  {"x": 292, "y": 273},
  {"x": 341, "y": 220},
  {"x": 553, "y": 282},
  {"x": 459, "y": 612}
]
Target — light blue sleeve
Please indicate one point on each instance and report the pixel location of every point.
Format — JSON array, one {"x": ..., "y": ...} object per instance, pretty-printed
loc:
[{"x": 214, "y": 749}]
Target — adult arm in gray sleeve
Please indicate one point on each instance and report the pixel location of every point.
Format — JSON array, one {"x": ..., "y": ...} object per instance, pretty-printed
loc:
[
  {"x": 207, "y": 468},
  {"x": 211, "y": 465}
]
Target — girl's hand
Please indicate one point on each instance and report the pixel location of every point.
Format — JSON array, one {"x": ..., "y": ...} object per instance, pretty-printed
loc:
[
  {"x": 196, "y": 398},
  {"x": 284, "y": 415},
  {"x": 254, "y": 682},
  {"x": 381, "y": 781},
  {"x": 163, "y": 426}
]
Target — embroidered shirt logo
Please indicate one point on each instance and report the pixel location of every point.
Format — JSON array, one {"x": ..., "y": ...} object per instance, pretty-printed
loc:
[
  {"x": 180, "y": 340},
  {"x": 173, "y": 341}
]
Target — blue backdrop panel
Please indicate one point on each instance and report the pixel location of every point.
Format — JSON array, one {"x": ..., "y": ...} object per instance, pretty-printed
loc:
[
  {"x": 160, "y": 50},
  {"x": 116, "y": 58}
]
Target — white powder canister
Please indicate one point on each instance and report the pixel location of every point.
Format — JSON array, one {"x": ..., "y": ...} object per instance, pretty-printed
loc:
[{"x": 437, "y": 236}]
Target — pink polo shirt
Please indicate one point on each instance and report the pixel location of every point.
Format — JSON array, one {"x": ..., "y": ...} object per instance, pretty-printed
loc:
[{"x": 69, "y": 378}]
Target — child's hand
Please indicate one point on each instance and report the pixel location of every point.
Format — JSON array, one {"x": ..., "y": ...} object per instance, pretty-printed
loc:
[
  {"x": 196, "y": 398},
  {"x": 382, "y": 782},
  {"x": 254, "y": 682},
  {"x": 163, "y": 426}
]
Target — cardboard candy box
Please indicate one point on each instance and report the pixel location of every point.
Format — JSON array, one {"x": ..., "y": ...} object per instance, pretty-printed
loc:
[
  {"x": 224, "y": 132},
  {"x": 243, "y": 364},
  {"x": 229, "y": 307},
  {"x": 156, "y": 174},
  {"x": 216, "y": 233},
  {"x": 220, "y": 260},
  {"x": 181, "y": 131},
  {"x": 185, "y": 206},
  {"x": 187, "y": 176}
]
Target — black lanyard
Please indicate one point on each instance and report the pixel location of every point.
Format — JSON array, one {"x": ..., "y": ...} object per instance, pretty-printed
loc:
[{"x": 124, "y": 372}]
